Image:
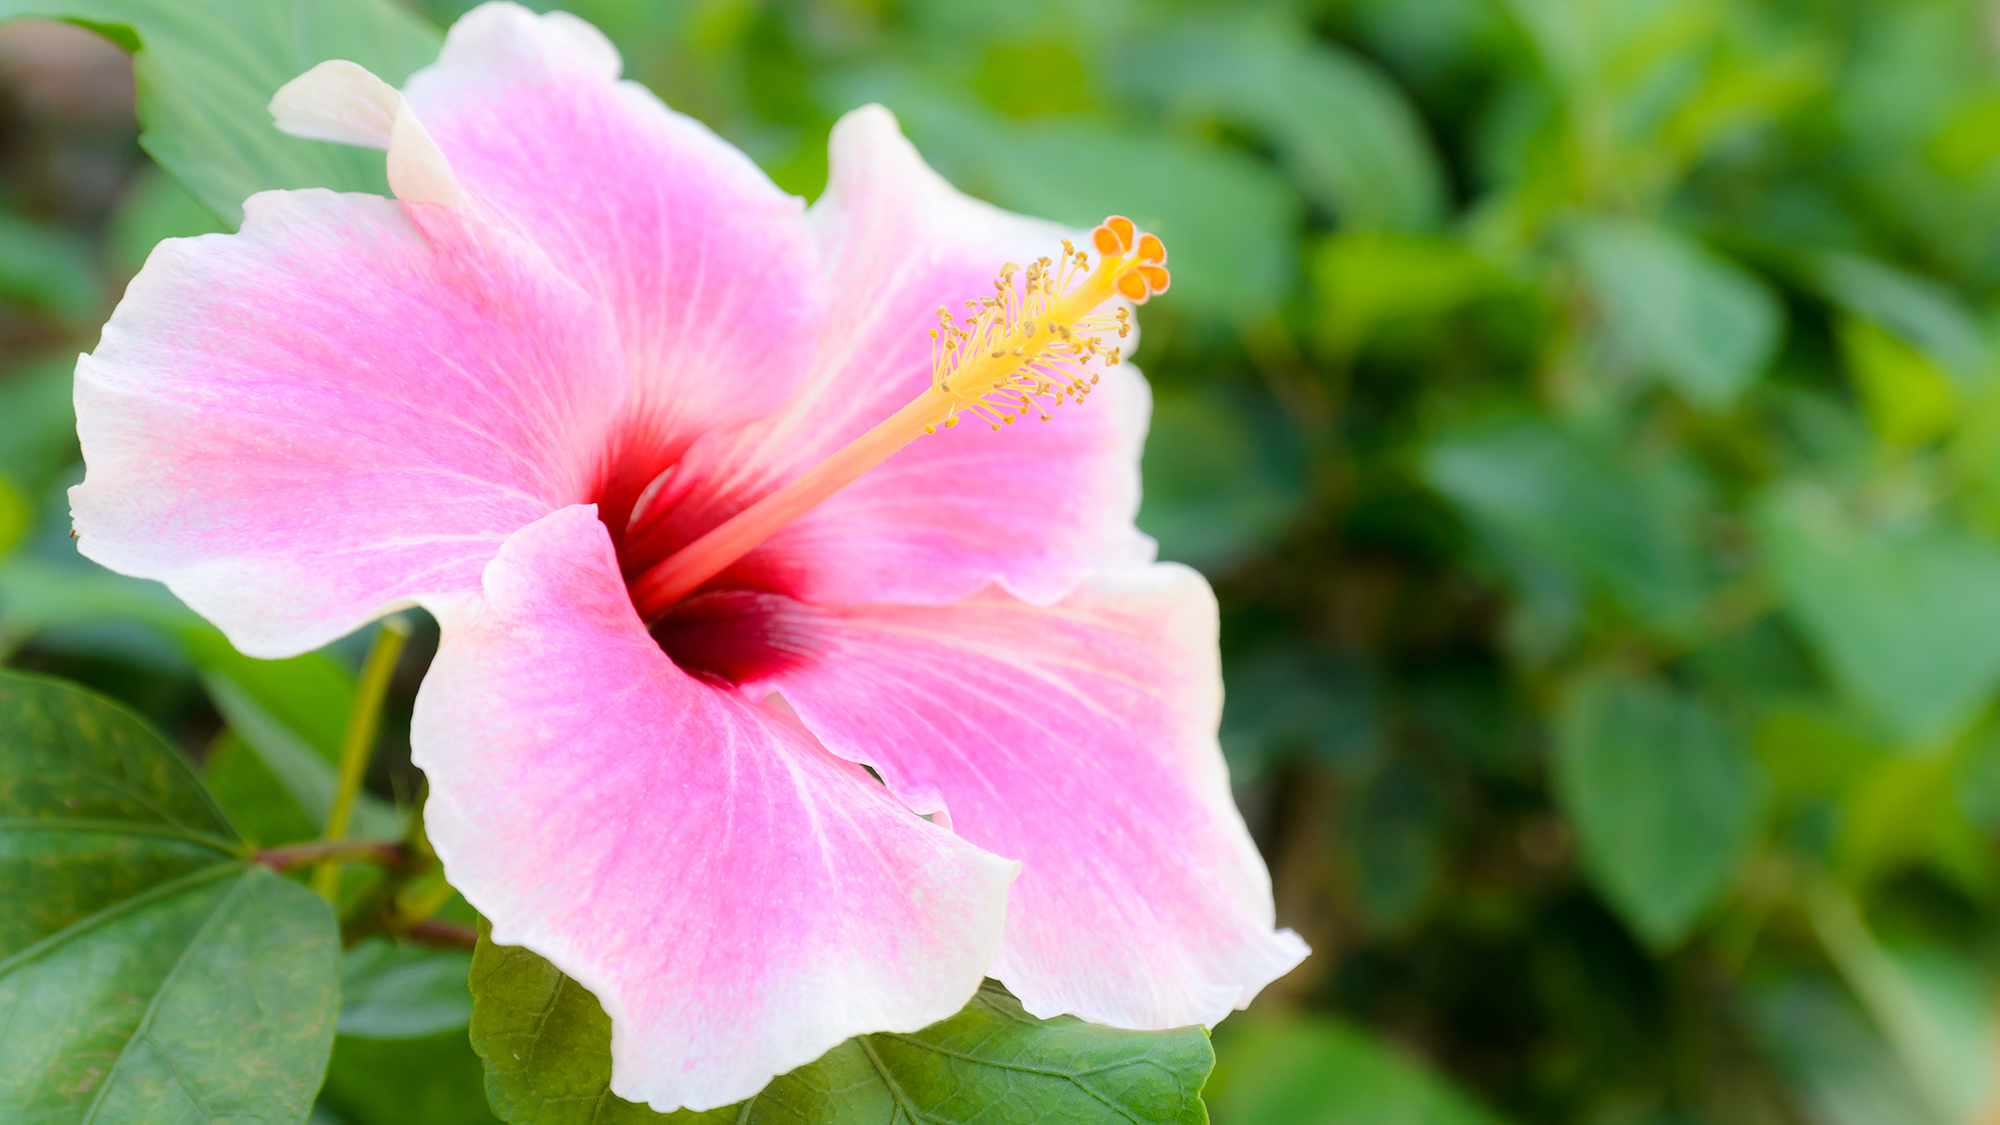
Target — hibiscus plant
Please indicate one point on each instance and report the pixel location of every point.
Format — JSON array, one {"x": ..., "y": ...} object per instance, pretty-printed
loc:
[{"x": 811, "y": 734}]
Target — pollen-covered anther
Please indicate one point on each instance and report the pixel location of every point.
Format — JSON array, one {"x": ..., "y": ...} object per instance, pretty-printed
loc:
[
  {"x": 1030, "y": 347},
  {"x": 1141, "y": 258}
]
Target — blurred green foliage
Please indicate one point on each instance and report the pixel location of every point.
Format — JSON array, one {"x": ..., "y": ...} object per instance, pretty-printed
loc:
[{"x": 1587, "y": 411}]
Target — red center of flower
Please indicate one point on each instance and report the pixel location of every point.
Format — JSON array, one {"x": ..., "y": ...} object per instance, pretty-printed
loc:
[{"x": 1026, "y": 349}]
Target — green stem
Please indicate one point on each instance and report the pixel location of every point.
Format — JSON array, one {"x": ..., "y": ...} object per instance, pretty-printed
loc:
[{"x": 362, "y": 723}]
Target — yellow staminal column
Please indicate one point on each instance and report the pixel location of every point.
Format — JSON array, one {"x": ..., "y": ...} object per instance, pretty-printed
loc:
[{"x": 1027, "y": 348}]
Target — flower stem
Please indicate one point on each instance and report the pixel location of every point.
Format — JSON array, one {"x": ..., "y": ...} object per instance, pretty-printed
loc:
[{"x": 362, "y": 723}]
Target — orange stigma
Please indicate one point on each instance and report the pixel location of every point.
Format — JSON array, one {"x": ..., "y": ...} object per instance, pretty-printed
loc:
[{"x": 1027, "y": 348}]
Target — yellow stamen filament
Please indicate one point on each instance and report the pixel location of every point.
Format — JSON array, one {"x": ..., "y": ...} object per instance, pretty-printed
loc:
[{"x": 1025, "y": 349}]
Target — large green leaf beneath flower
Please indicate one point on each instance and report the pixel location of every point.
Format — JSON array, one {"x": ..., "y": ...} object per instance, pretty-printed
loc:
[
  {"x": 147, "y": 972},
  {"x": 206, "y": 71},
  {"x": 547, "y": 1046},
  {"x": 1664, "y": 798}
]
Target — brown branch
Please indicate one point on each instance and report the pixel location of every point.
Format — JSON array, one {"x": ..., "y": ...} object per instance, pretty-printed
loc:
[
  {"x": 446, "y": 935},
  {"x": 380, "y": 853}
]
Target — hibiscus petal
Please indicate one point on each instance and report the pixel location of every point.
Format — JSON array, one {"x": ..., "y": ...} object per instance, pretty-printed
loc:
[
  {"x": 303, "y": 425},
  {"x": 706, "y": 265},
  {"x": 1078, "y": 739},
  {"x": 1033, "y": 507},
  {"x": 739, "y": 900},
  {"x": 342, "y": 102}
]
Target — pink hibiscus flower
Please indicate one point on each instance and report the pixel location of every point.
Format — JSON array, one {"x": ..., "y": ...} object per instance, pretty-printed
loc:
[{"x": 673, "y": 460}]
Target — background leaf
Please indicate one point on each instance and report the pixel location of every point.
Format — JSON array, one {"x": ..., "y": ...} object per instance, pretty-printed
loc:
[
  {"x": 1551, "y": 496},
  {"x": 1917, "y": 309},
  {"x": 1351, "y": 138},
  {"x": 1705, "y": 325},
  {"x": 1663, "y": 797},
  {"x": 1227, "y": 221},
  {"x": 1846, "y": 1072},
  {"x": 1908, "y": 397},
  {"x": 46, "y": 269},
  {"x": 1319, "y": 1072},
  {"x": 390, "y": 991},
  {"x": 435, "y": 1080},
  {"x": 1221, "y": 481},
  {"x": 308, "y": 776},
  {"x": 146, "y": 971},
  {"x": 1899, "y": 613}
]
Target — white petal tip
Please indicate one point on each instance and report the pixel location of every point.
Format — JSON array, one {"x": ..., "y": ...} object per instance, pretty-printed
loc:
[
  {"x": 418, "y": 170},
  {"x": 337, "y": 101}
]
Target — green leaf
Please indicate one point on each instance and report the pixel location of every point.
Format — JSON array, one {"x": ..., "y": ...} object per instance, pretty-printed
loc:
[
  {"x": 37, "y": 400},
  {"x": 391, "y": 991},
  {"x": 1548, "y": 496},
  {"x": 147, "y": 972},
  {"x": 206, "y": 71},
  {"x": 1349, "y": 136},
  {"x": 256, "y": 801},
  {"x": 1229, "y": 222},
  {"x": 547, "y": 1046},
  {"x": 1704, "y": 324},
  {"x": 436, "y": 1080},
  {"x": 1318, "y": 1072},
  {"x": 1290, "y": 702},
  {"x": 1811, "y": 754},
  {"x": 310, "y": 695},
  {"x": 1909, "y": 399},
  {"x": 1899, "y": 614},
  {"x": 1396, "y": 837},
  {"x": 1930, "y": 1004},
  {"x": 16, "y": 514},
  {"x": 402, "y": 1054},
  {"x": 1842, "y": 1071},
  {"x": 1222, "y": 481},
  {"x": 308, "y": 776},
  {"x": 152, "y": 209},
  {"x": 1917, "y": 309},
  {"x": 1369, "y": 279},
  {"x": 46, "y": 269},
  {"x": 36, "y": 595},
  {"x": 1905, "y": 810},
  {"x": 1664, "y": 798}
]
